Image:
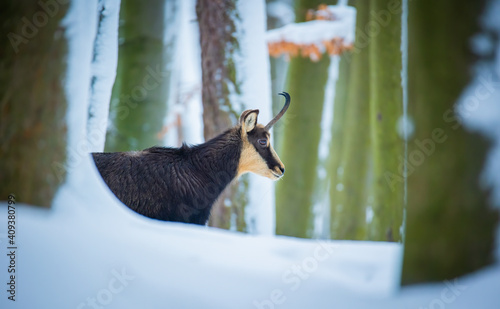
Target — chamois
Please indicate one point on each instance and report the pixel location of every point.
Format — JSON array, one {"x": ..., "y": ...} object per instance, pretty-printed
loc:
[{"x": 182, "y": 184}]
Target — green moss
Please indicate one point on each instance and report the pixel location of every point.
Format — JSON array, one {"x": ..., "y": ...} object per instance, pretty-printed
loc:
[{"x": 386, "y": 108}]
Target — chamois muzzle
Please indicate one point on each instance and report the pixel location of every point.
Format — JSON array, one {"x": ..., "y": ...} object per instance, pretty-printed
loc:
[{"x": 281, "y": 113}]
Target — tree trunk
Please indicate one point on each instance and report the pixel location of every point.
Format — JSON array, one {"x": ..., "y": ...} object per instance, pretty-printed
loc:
[
  {"x": 335, "y": 165},
  {"x": 218, "y": 44},
  {"x": 301, "y": 135},
  {"x": 101, "y": 83},
  {"x": 278, "y": 71},
  {"x": 255, "y": 84},
  {"x": 139, "y": 99},
  {"x": 386, "y": 108},
  {"x": 32, "y": 102},
  {"x": 218, "y": 47},
  {"x": 450, "y": 227},
  {"x": 350, "y": 147}
]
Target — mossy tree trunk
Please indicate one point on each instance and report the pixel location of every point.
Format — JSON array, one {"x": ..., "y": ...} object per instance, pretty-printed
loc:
[
  {"x": 386, "y": 108},
  {"x": 219, "y": 46},
  {"x": 350, "y": 143},
  {"x": 139, "y": 99},
  {"x": 450, "y": 227},
  {"x": 301, "y": 135},
  {"x": 33, "y": 104},
  {"x": 335, "y": 163}
]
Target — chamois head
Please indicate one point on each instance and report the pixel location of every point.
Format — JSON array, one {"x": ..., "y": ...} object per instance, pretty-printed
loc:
[{"x": 257, "y": 154}]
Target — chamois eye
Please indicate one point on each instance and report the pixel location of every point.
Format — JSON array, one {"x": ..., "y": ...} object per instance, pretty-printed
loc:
[{"x": 263, "y": 142}]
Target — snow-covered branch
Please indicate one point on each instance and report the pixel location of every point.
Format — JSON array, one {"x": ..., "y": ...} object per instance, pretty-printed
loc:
[{"x": 331, "y": 32}]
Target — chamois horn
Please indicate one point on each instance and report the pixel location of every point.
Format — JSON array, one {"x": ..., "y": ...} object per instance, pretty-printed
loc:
[{"x": 283, "y": 110}]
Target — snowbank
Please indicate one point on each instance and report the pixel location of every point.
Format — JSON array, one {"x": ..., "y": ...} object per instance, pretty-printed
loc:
[
  {"x": 96, "y": 250},
  {"x": 90, "y": 251}
]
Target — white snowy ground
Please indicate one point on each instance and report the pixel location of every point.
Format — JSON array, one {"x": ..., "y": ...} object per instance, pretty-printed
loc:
[{"x": 89, "y": 251}]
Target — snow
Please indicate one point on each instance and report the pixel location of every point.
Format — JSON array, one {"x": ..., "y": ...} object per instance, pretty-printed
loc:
[
  {"x": 65, "y": 257},
  {"x": 317, "y": 31},
  {"x": 99, "y": 252},
  {"x": 104, "y": 62},
  {"x": 190, "y": 74},
  {"x": 184, "y": 102},
  {"x": 253, "y": 74},
  {"x": 281, "y": 11},
  {"x": 81, "y": 23}
]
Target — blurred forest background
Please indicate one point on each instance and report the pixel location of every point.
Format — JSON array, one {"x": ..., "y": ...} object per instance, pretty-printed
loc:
[{"x": 372, "y": 145}]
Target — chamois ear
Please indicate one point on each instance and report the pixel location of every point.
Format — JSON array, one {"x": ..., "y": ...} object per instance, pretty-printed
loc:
[{"x": 248, "y": 119}]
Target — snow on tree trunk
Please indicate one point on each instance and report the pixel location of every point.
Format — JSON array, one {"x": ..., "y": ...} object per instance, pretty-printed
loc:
[
  {"x": 252, "y": 72},
  {"x": 184, "y": 121},
  {"x": 386, "y": 108},
  {"x": 450, "y": 226},
  {"x": 220, "y": 92},
  {"x": 81, "y": 24},
  {"x": 321, "y": 207},
  {"x": 348, "y": 193},
  {"x": 103, "y": 72},
  {"x": 33, "y": 127},
  {"x": 306, "y": 85},
  {"x": 139, "y": 99}
]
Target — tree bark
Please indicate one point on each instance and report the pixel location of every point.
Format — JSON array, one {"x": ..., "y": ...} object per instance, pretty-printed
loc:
[
  {"x": 386, "y": 107},
  {"x": 32, "y": 102},
  {"x": 219, "y": 45},
  {"x": 450, "y": 226}
]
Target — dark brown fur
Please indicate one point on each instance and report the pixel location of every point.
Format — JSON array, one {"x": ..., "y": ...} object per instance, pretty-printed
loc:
[{"x": 182, "y": 184}]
